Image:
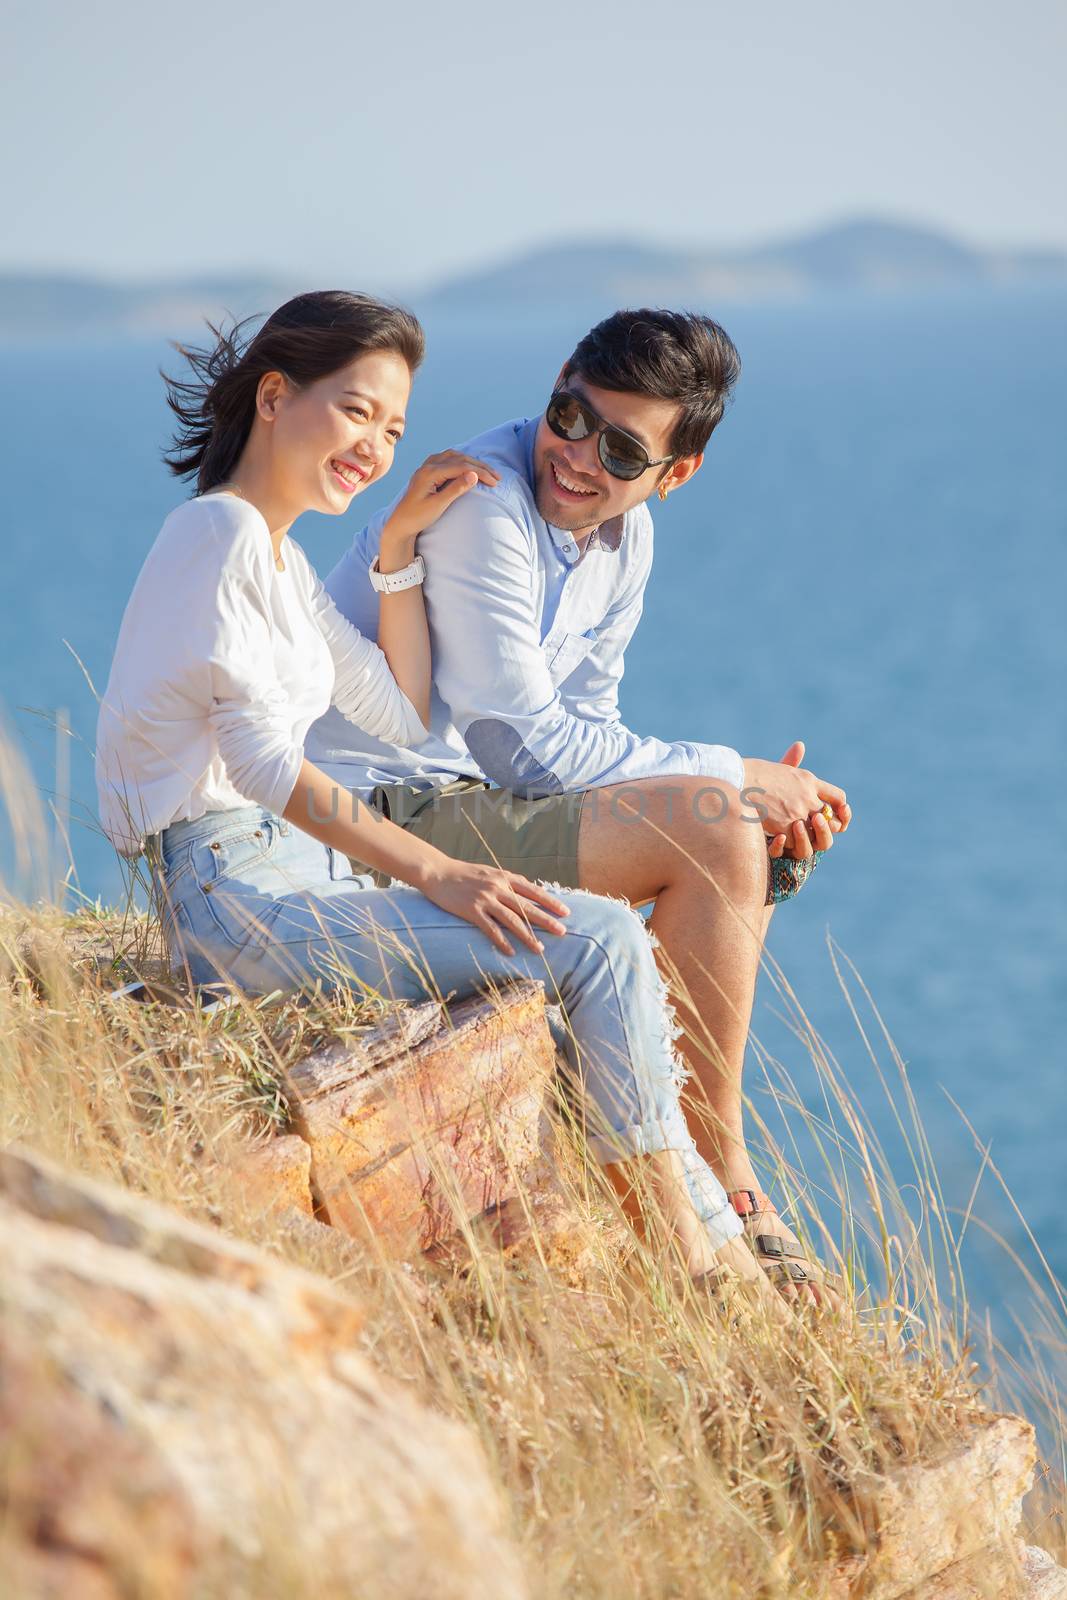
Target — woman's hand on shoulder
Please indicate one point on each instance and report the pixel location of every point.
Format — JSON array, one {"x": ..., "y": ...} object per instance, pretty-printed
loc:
[
  {"x": 440, "y": 480},
  {"x": 503, "y": 905}
]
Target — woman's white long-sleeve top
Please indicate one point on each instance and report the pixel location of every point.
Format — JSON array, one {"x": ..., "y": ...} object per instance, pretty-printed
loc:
[{"x": 222, "y": 664}]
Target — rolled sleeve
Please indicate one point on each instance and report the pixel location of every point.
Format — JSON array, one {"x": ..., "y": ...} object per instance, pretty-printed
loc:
[{"x": 721, "y": 762}]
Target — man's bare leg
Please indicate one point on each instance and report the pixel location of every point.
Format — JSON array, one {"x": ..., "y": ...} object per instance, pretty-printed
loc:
[{"x": 655, "y": 840}]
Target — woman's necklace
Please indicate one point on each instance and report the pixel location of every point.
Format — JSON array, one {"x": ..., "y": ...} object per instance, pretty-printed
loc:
[{"x": 234, "y": 488}]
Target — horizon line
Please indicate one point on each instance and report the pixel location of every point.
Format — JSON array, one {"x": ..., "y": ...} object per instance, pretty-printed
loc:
[{"x": 544, "y": 242}]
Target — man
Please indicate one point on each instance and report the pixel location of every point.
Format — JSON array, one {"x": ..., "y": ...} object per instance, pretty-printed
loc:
[{"x": 533, "y": 589}]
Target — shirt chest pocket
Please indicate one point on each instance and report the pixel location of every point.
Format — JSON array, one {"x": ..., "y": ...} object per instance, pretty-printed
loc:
[{"x": 565, "y": 651}]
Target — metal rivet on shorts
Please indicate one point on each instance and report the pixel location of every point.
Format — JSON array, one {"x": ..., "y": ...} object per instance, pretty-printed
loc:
[
  {"x": 216, "y": 845},
  {"x": 259, "y": 833}
]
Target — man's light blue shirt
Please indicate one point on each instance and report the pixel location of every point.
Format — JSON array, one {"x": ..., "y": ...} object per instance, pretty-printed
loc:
[{"x": 528, "y": 636}]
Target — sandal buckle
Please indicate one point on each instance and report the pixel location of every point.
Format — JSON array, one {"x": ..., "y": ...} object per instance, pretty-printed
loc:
[{"x": 771, "y": 1245}]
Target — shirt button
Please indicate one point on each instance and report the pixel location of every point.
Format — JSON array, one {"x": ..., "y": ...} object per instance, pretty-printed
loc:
[{"x": 568, "y": 549}]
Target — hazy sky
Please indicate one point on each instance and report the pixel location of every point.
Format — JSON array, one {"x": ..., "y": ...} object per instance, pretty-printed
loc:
[{"x": 396, "y": 143}]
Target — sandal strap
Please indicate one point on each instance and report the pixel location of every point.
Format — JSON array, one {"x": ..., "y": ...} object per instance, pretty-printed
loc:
[
  {"x": 790, "y": 1272},
  {"x": 747, "y": 1201},
  {"x": 780, "y": 1258},
  {"x": 784, "y": 1258},
  {"x": 776, "y": 1248}
]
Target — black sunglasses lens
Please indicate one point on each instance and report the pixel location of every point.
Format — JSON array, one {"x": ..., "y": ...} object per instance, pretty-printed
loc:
[
  {"x": 568, "y": 418},
  {"x": 622, "y": 456}
]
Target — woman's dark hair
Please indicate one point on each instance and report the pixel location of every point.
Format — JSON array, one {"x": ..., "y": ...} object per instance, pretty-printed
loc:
[
  {"x": 667, "y": 355},
  {"x": 307, "y": 338}
]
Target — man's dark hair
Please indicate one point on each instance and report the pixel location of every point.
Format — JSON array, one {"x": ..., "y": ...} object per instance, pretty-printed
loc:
[{"x": 667, "y": 355}]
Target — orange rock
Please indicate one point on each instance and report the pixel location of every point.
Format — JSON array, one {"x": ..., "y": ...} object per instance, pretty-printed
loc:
[
  {"x": 276, "y": 1176},
  {"x": 540, "y": 1228},
  {"x": 945, "y": 1528},
  {"x": 447, "y": 1126},
  {"x": 177, "y": 1424},
  {"x": 304, "y": 1303},
  {"x": 89, "y": 1510},
  {"x": 1012, "y": 1572}
]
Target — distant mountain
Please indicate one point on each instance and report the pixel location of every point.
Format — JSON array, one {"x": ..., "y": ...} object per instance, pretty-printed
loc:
[
  {"x": 874, "y": 255},
  {"x": 871, "y": 255},
  {"x": 32, "y": 305}
]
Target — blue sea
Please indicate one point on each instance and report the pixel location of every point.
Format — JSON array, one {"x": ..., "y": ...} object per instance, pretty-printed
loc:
[{"x": 872, "y": 560}]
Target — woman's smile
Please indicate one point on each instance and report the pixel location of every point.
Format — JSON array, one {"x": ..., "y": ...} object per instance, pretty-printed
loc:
[{"x": 348, "y": 474}]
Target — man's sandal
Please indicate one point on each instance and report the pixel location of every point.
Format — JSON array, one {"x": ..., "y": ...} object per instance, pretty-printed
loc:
[{"x": 784, "y": 1261}]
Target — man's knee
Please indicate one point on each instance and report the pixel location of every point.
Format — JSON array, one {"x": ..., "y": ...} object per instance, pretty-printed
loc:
[
  {"x": 640, "y": 838},
  {"x": 714, "y": 831},
  {"x": 705, "y": 812}
]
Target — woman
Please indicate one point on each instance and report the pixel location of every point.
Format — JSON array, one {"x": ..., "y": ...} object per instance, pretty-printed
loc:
[{"x": 230, "y": 648}]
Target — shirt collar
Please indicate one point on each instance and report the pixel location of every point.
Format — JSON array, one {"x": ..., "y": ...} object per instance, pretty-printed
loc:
[{"x": 609, "y": 535}]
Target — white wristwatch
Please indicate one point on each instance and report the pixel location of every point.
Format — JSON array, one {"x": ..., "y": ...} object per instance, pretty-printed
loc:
[{"x": 392, "y": 582}]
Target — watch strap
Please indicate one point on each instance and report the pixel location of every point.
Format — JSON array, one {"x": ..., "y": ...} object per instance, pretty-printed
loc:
[{"x": 392, "y": 582}]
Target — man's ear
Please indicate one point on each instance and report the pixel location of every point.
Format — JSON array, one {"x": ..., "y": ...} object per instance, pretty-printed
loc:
[{"x": 680, "y": 472}]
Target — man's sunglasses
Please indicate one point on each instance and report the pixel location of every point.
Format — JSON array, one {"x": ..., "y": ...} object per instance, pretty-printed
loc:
[{"x": 620, "y": 453}]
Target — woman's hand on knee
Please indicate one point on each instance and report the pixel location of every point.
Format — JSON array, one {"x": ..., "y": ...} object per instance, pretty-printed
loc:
[{"x": 499, "y": 903}]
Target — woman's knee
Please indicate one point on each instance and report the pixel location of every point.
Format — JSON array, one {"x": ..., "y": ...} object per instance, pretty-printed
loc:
[{"x": 609, "y": 929}]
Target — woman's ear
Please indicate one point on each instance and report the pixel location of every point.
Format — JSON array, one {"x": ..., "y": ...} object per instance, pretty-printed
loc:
[{"x": 272, "y": 389}]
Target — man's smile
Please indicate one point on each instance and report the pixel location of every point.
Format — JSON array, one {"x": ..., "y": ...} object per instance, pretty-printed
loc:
[{"x": 568, "y": 487}]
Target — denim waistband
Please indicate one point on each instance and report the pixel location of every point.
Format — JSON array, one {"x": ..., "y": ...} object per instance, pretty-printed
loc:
[{"x": 212, "y": 825}]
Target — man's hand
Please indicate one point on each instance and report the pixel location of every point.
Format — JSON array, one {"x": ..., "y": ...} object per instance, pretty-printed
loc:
[{"x": 792, "y": 799}]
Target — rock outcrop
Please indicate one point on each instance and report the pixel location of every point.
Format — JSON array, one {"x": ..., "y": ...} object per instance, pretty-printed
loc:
[
  {"x": 184, "y": 1415},
  {"x": 435, "y": 1123},
  {"x": 429, "y": 1122},
  {"x": 275, "y": 1176},
  {"x": 947, "y": 1528}
]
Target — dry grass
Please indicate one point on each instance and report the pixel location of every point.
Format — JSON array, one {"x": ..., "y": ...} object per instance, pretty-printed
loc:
[{"x": 643, "y": 1447}]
